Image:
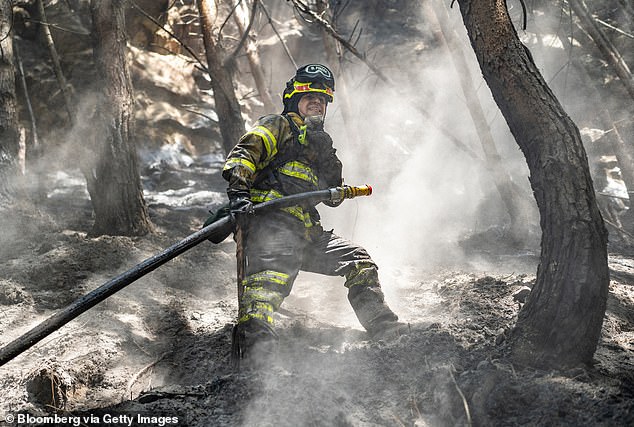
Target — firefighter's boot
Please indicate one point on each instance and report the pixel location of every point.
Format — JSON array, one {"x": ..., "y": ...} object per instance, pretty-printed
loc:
[
  {"x": 367, "y": 300},
  {"x": 374, "y": 314},
  {"x": 254, "y": 340}
]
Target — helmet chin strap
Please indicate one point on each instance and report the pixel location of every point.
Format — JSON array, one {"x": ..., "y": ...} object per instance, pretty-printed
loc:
[
  {"x": 314, "y": 122},
  {"x": 318, "y": 118}
]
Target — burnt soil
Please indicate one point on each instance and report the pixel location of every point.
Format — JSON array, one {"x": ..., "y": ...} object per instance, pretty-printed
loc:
[{"x": 160, "y": 348}]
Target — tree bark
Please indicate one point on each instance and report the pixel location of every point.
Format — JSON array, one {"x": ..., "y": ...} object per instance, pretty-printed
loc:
[
  {"x": 227, "y": 106},
  {"x": 560, "y": 324},
  {"x": 9, "y": 133},
  {"x": 113, "y": 180}
]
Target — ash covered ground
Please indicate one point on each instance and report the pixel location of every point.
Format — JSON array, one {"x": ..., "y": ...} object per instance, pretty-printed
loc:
[{"x": 158, "y": 352}]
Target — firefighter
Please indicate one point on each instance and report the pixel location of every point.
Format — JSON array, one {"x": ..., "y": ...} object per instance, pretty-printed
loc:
[{"x": 285, "y": 154}]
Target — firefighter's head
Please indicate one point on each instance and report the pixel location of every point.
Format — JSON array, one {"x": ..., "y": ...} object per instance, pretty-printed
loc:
[{"x": 309, "y": 91}]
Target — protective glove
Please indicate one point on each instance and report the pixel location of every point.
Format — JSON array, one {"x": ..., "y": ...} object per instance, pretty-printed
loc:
[
  {"x": 320, "y": 138},
  {"x": 240, "y": 205}
]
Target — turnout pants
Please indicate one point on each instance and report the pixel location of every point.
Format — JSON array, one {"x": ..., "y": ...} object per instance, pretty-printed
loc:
[{"x": 277, "y": 247}]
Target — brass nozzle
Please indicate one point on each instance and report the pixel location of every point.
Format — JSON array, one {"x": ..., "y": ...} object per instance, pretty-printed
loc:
[{"x": 352, "y": 191}]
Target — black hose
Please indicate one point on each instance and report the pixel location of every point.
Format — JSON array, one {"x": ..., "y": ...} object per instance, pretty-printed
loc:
[{"x": 114, "y": 285}]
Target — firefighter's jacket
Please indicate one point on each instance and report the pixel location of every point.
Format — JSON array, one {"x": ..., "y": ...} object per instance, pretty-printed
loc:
[{"x": 279, "y": 157}]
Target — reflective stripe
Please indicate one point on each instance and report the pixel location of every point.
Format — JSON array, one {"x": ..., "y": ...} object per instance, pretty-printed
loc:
[
  {"x": 258, "y": 302},
  {"x": 299, "y": 213},
  {"x": 363, "y": 273},
  {"x": 259, "y": 196},
  {"x": 299, "y": 170},
  {"x": 236, "y": 161},
  {"x": 264, "y": 195},
  {"x": 261, "y": 307},
  {"x": 266, "y": 318},
  {"x": 270, "y": 142},
  {"x": 267, "y": 276},
  {"x": 263, "y": 298}
]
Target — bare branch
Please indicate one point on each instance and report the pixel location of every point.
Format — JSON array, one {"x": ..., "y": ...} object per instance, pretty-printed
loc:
[
  {"x": 57, "y": 67},
  {"x": 57, "y": 27},
  {"x": 158, "y": 24},
  {"x": 606, "y": 47},
  {"x": 303, "y": 8},
  {"x": 612, "y": 27},
  {"x": 288, "y": 53},
  {"x": 243, "y": 39},
  {"x": 27, "y": 97}
]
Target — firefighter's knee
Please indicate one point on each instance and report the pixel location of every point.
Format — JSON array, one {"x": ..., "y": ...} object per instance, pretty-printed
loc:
[{"x": 364, "y": 273}]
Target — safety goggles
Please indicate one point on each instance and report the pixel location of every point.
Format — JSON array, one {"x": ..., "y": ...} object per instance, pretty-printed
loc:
[{"x": 299, "y": 87}]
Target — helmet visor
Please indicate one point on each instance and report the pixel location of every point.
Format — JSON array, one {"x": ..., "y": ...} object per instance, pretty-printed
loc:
[{"x": 314, "y": 87}]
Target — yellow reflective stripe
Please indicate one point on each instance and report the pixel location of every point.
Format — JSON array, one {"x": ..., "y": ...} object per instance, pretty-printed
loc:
[
  {"x": 260, "y": 302},
  {"x": 361, "y": 274},
  {"x": 259, "y": 196},
  {"x": 295, "y": 211},
  {"x": 270, "y": 142},
  {"x": 299, "y": 213},
  {"x": 299, "y": 170},
  {"x": 265, "y": 317},
  {"x": 236, "y": 161},
  {"x": 299, "y": 87},
  {"x": 264, "y": 195},
  {"x": 261, "y": 306},
  {"x": 267, "y": 276}
]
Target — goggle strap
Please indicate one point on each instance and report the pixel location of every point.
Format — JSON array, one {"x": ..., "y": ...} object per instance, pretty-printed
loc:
[{"x": 299, "y": 87}]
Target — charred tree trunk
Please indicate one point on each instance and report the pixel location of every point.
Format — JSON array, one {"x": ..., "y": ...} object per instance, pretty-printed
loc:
[
  {"x": 227, "y": 106},
  {"x": 561, "y": 322},
  {"x": 9, "y": 133},
  {"x": 113, "y": 179}
]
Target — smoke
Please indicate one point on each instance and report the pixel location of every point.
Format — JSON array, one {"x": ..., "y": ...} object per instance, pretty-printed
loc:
[{"x": 428, "y": 191}]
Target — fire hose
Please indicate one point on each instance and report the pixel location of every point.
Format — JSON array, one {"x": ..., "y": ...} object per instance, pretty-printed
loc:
[{"x": 223, "y": 226}]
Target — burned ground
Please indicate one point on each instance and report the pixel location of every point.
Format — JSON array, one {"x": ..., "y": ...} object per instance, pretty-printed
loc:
[{"x": 161, "y": 347}]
